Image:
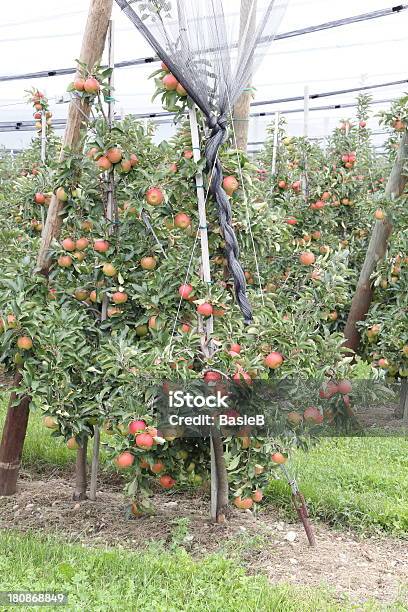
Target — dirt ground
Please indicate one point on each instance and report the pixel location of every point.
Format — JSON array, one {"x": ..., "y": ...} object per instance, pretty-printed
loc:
[{"x": 351, "y": 566}]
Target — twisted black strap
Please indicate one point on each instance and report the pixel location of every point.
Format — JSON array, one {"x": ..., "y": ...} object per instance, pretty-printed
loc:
[{"x": 214, "y": 170}]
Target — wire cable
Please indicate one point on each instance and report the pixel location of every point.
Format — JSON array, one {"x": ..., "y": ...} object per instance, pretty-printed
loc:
[{"x": 285, "y": 35}]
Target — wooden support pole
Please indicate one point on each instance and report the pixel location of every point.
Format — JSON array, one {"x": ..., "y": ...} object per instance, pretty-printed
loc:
[
  {"x": 78, "y": 113},
  {"x": 81, "y": 477},
  {"x": 11, "y": 448},
  {"x": 95, "y": 463},
  {"x": 404, "y": 403},
  {"x": 93, "y": 43},
  {"x": 402, "y": 411},
  {"x": 110, "y": 216},
  {"x": 376, "y": 250}
]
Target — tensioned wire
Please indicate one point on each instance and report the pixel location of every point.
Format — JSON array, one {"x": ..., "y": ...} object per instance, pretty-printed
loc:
[
  {"x": 292, "y": 34},
  {"x": 315, "y": 96}
]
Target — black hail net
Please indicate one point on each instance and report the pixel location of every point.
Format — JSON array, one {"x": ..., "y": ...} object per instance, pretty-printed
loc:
[{"x": 212, "y": 52}]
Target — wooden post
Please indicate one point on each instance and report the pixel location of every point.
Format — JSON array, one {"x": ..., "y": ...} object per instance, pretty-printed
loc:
[
  {"x": 376, "y": 250},
  {"x": 111, "y": 216},
  {"x": 242, "y": 106},
  {"x": 81, "y": 473},
  {"x": 404, "y": 402},
  {"x": 11, "y": 448},
  {"x": 17, "y": 418},
  {"x": 92, "y": 48}
]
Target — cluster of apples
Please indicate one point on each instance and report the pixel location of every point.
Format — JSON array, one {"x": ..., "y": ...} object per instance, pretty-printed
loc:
[
  {"x": 24, "y": 343},
  {"x": 89, "y": 85},
  {"x": 78, "y": 249},
  {"x": 113, "y": 157},
  {"x": 349, "y": 159},
  {"x": 170, "y": 83},
  {"x": 145, "y": 438},
  {"x": 321, "y": 202},
  {"x": 41, "y": 108}
]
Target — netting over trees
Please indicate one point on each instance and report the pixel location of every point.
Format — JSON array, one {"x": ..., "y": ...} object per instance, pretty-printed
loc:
[{"x": 213, "y": 60}]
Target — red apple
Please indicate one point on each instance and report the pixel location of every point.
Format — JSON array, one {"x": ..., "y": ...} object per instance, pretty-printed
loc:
[
  {"x": 101, "y": 246},
  {"x": 119, "y": 297},
  {"x": 274, "y": 360},
  {"x": 81, "y": 244},
  {"x": 69, "y": 244},
  {"x": 243, "y": 503},
  {"x": 104, "y": 164},
  {"x": 124, "y": 460},
  {"x": 211, "y": 376},
  {"x": 114, "y": 155},
  {"x": 313, "y": 415},
  {"x": 185, "y": 291},
  {"x": 148, "y": 263},
  {"x": 205, "y": 309},
  {"x": 230, "y": 184},
  {"x": 167, "y": 482},
  {"x": 278, "y": 458},
  {"x": 182, "y": 221},
  {"x": 154, "y": 196},
  {"x": 170, "y": 82},
  {"x": 307, "y": 258},
  {"x": 344, "y": 387},
  {"x": 92, "y": 85},
  {"x": 79, "y": 84},
  {"x": 136, "y": 426},
  {"x": 144, "y": 440},
  {"x": 39, "y": 198}
]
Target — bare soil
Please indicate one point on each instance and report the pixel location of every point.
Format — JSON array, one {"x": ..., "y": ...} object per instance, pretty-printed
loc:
[{"x": 351, "y": 566}]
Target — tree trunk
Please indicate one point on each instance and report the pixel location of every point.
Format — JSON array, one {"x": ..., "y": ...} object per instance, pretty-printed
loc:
[
  {"x": 11, "y": 448},
  {"x": 376, "y": 250},
  {"x": 222, "y": 477},
  {"x": 93, "y": 43},
  {"x": 402, "y": 411},
  {"x": 242, "y": 106},
  {"x": 81, "y": 473},
  {"x": 78, "y": 113}
]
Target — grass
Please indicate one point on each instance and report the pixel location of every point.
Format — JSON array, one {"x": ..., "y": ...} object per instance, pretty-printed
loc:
[
  {"x": 357, "y": 482},
  {"x": 155, "y": 580}
]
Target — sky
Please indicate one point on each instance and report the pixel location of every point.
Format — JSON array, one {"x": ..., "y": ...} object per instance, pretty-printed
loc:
[{"x": 47, "y": 35}]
